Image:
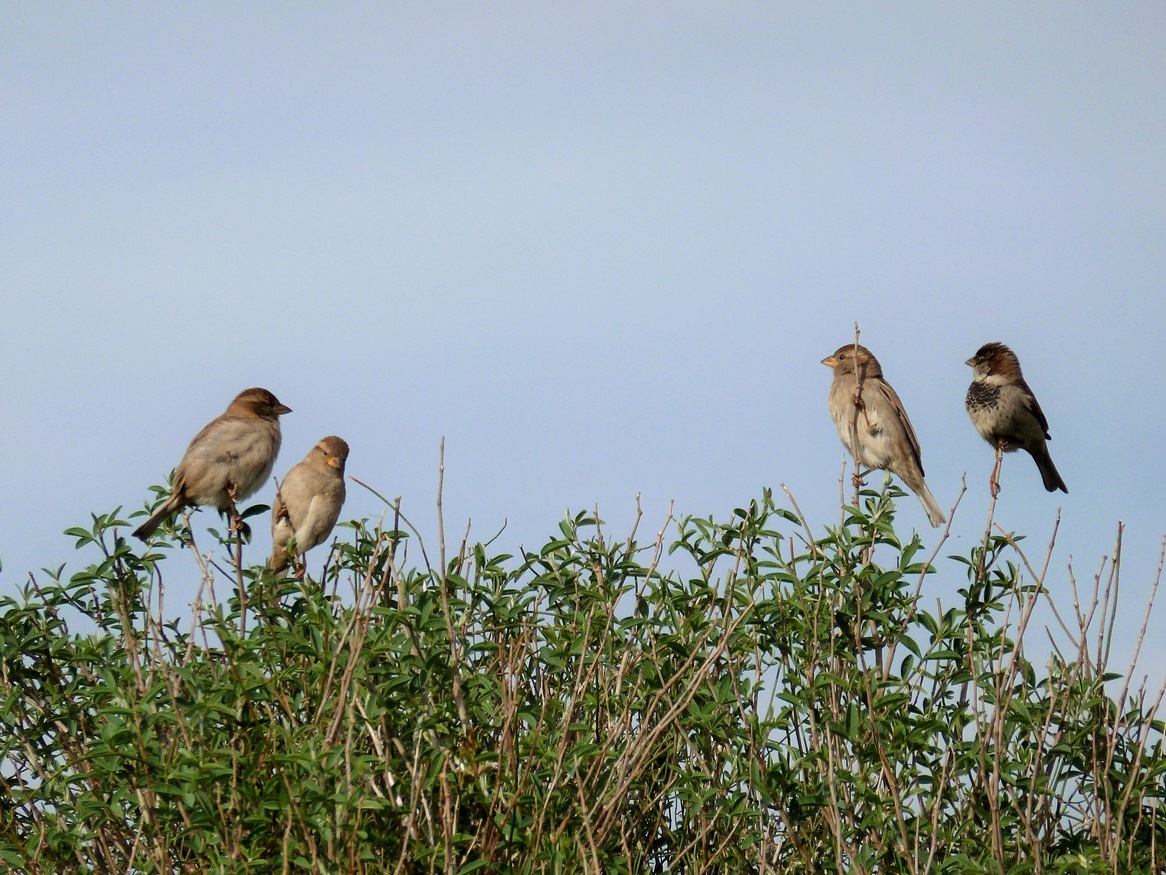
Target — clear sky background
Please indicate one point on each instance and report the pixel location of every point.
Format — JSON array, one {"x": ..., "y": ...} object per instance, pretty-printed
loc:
[{"x": 600, "y": 248}]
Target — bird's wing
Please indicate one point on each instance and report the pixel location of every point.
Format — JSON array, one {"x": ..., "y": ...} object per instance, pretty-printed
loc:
[
  {"x": 895, "y": 406},
  {"x": 1030, "y": 400},
  {"x": 221, "y": 439}
]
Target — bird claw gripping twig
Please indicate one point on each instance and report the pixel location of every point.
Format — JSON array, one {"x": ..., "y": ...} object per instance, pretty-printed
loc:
[{"x": 236, "y": 517}]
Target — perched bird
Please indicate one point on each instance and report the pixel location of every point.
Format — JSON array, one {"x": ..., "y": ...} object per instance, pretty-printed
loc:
[
  {"x": 308, "y": 501},
  {"x": 227, "y": 461},
  {"x": 873, "y": 424},
  {"x": 1005, "y": 413}
]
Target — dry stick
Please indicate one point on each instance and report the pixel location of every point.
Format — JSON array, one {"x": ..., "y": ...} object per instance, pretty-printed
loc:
[
  {"x": 440, "y": 515},
  {"x": 809, "y": 539},
  {"x": 635, "y": 525},
  {"x": 237, "y": 525},
  {"x": 1125, "y": 687},
  {"x": 448, "y": 816},
  {"x": 390, "y": 559},
  {"x": 973, "y": 683},
  {"x": 359, "y": 624},
  {"x": 205, "y": 584},
  {"x": 833, "y": 814},
  {"x": 1142, "y": 742},
  {"x": 884, "y": 763},
  {"x": 817, "y": 740},
  {"x": 842, "y": 493},
  {"x": 944, "y": 779},
  {"x": 443, "y": 583},
  {"x": 1101, "y": 807},
  {"x": 583, "y": 678},
  {"x": 508, "y": 660},
  {"x": 1027, "y": 816},
  {"x": 928, "y": 565},
  {"x": 588, "y": 832},
  {"x": 657, "y": 556},
  {"x": 1076, "y": 596},
  {"x": 157, "y": 628},
  {"x": 1145, "y": 618},
  {"x": 329, "y": 677},
  {"x": 855, "y": 443},
  {"x": 658, "y": 551},
  {"x": 410, "y": 630},
  {"x": 1084, "y": 621},
  {"x": 629, "y": 769},
  {"x": 402, "y": 517},
  {"x": 1008, "y": 674},
  {"x": 410, "y": 825},
  {"x": 982, "y": 571},
  {"x": 621, "y": 725},
  {"x": 386, "y": 576},
  {"x": 1038, "y": 577},
  {"x": 1115, "y": 582},
  {"x": 981, "y": 578}
]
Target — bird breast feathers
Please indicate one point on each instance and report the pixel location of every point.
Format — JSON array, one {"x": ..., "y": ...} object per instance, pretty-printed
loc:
[{"x": 317, "y": 521}]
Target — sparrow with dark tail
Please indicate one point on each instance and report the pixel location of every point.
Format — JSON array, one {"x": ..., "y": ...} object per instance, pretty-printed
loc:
[{"x": 1006, "y": 414}]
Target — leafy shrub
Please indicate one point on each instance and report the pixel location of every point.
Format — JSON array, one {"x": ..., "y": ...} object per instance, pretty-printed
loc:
[{"x": 737, "y": 696}]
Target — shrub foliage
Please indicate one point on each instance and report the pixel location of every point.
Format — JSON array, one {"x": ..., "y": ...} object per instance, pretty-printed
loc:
[{"x": 731, "y": 696}]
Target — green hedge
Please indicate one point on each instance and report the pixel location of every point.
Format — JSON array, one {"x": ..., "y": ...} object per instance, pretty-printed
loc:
[{"x": 733, "y": 696}]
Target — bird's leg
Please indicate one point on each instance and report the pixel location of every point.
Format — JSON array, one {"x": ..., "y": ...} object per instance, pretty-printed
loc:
[
  {"x": 236, "y": 519},
  {"x": 859, "y": 475},
  {"x": 282, "y": 505},
  {"x": 301, "y": 567},
  {"x": 994, "y": 480},
  {"x": 237, "y": 529}
]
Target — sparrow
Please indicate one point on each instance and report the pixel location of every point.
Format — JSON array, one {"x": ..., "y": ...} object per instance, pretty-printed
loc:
[
  {"x": 1006, "y": 414},
  {"x": 873, "y": 424},
  {"x": 227, "y": 461},
  {"x": 307, "y": 503}
]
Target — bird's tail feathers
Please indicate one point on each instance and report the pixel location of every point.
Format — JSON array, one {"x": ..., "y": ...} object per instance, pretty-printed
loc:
[
  {"x": 156, "y": 519},
  {"x": 1048, "y": 472},
  {"x": 934, "y": 514}
]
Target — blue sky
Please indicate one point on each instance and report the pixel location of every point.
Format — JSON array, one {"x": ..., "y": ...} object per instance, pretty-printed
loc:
[{"x": 600, "y": 248}]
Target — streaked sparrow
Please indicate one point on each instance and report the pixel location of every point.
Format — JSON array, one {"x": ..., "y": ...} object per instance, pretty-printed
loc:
[{"x": 1006, "y": 413}]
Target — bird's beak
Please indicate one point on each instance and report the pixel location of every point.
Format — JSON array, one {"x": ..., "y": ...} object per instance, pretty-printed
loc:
[
  {"x": 971, "y": 363},
  {"x": 334, "y": 462},
  {"x": 830, "y": 361},
  {"x": 282, "y": 409}
]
